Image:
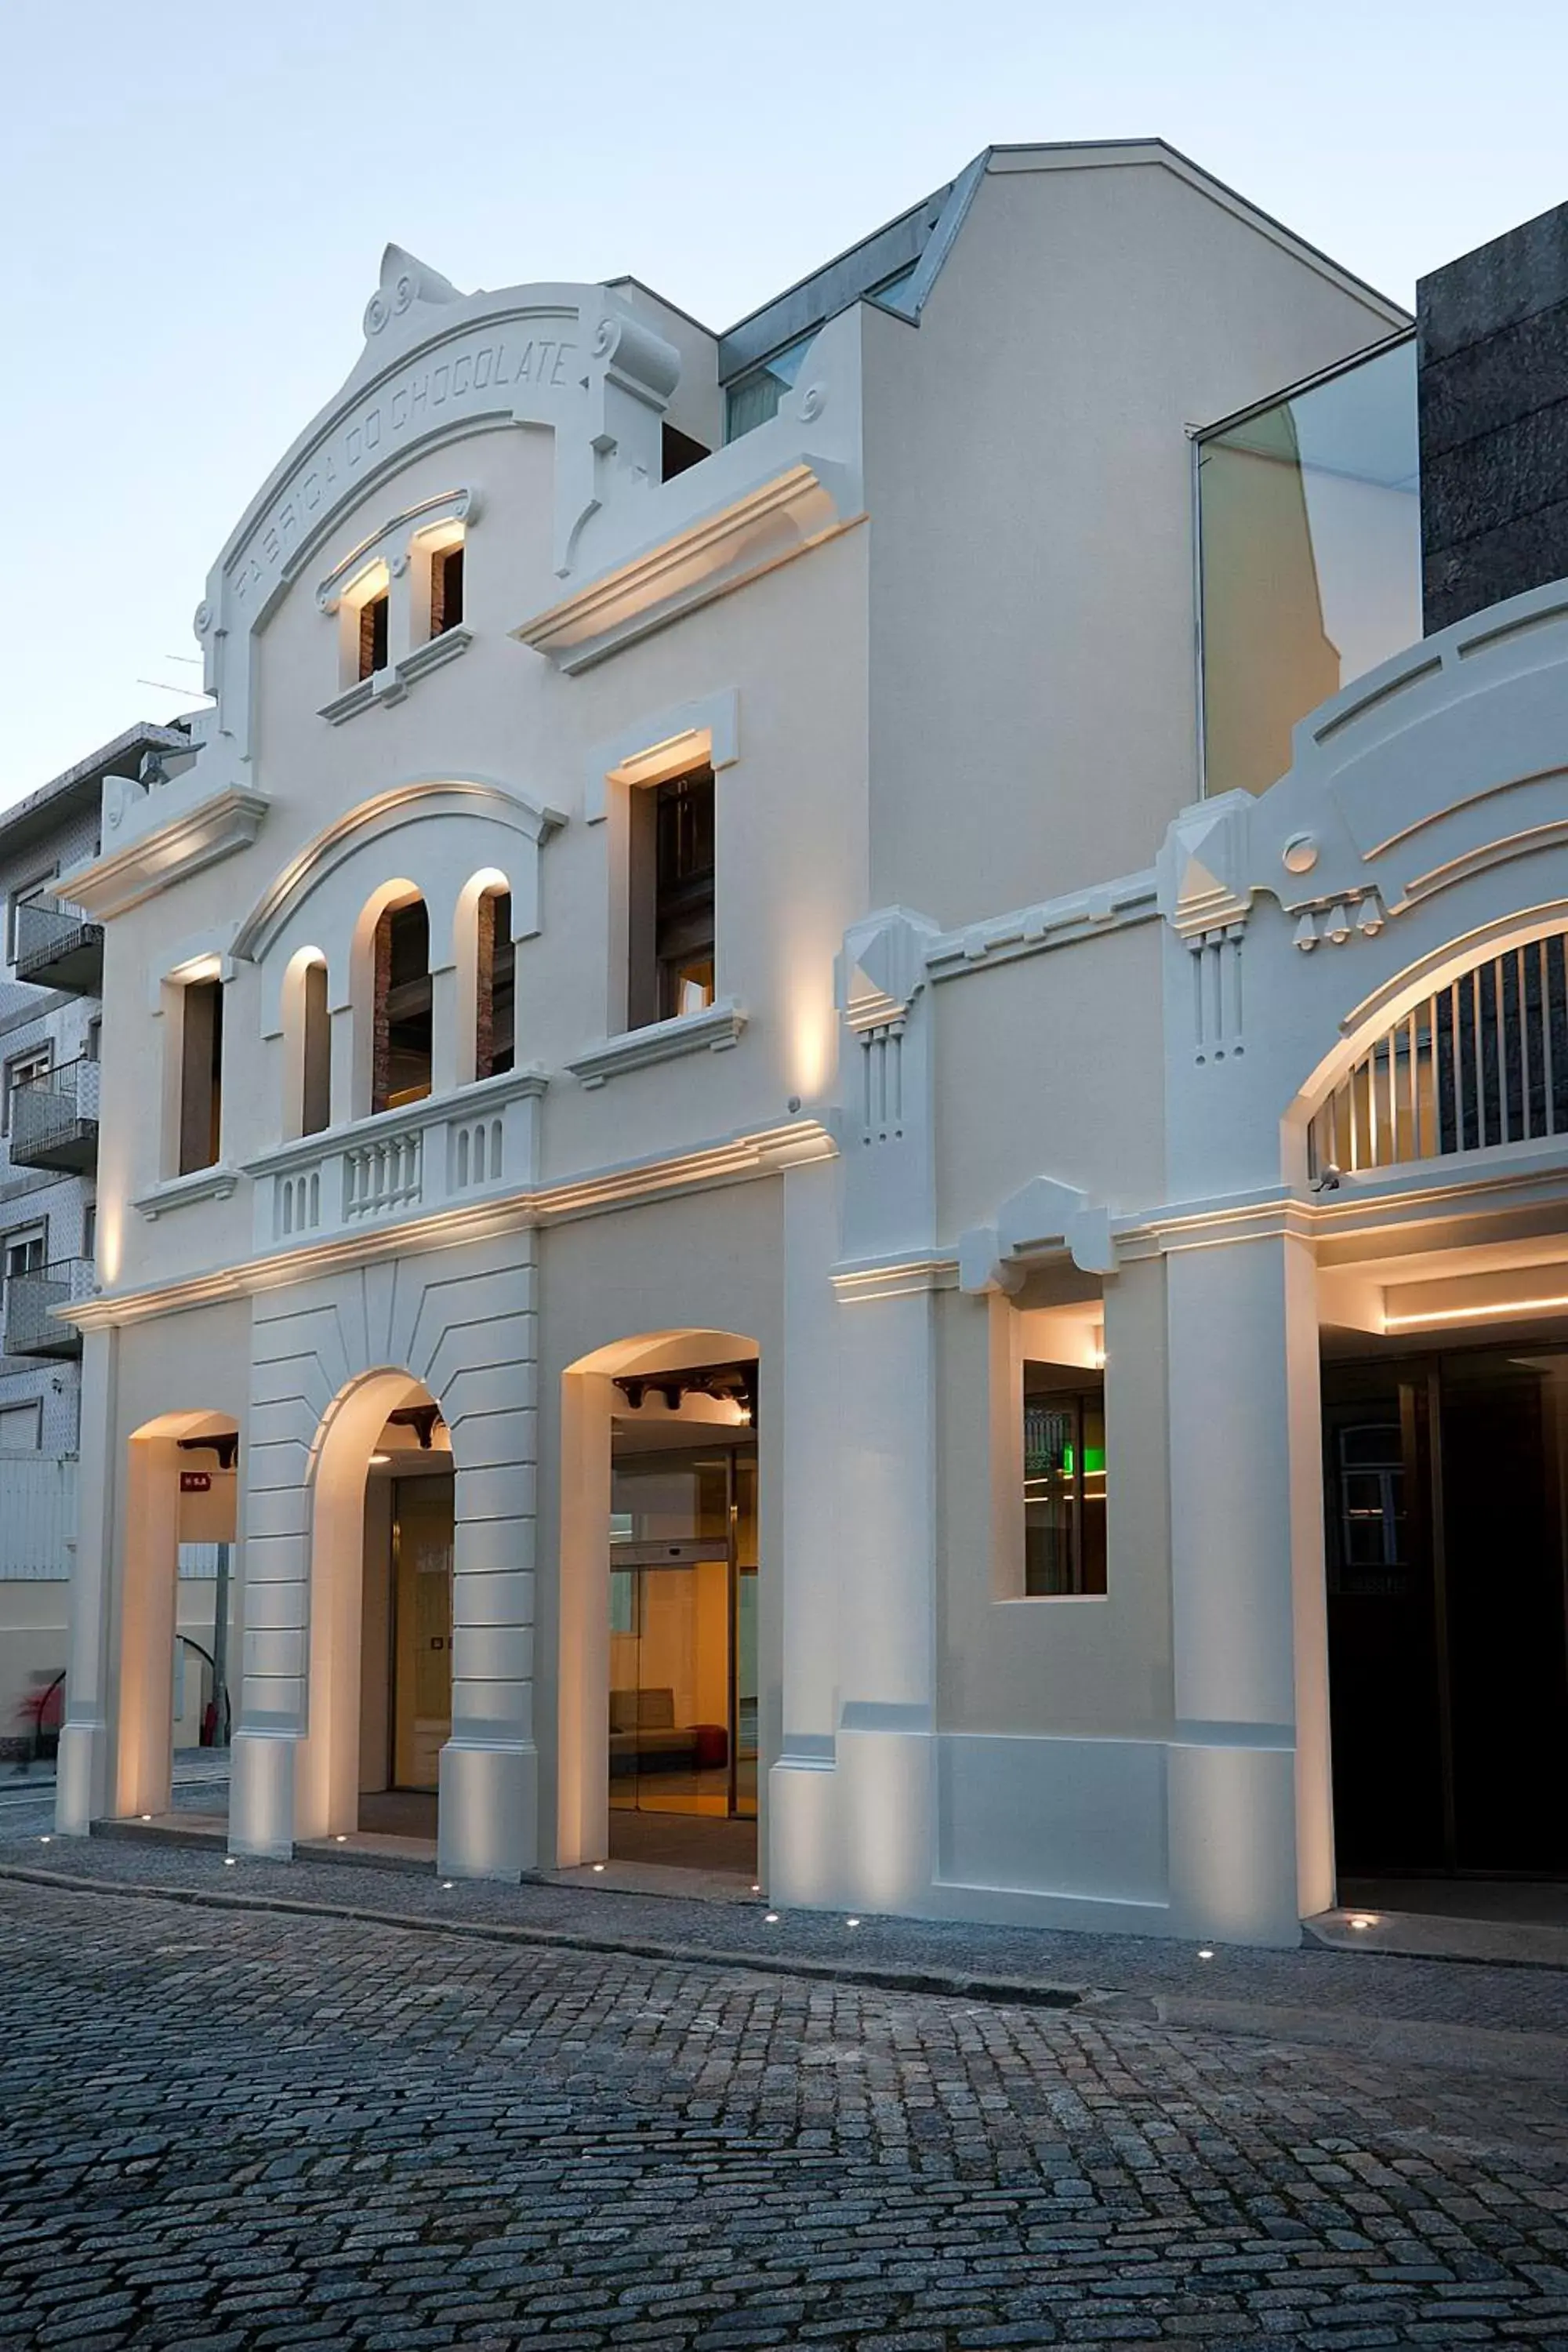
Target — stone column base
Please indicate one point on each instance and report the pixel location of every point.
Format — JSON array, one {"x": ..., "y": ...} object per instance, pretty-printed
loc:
[
  {"x": 1233, "y": 1844},
  {"x": 81, "y": 1777},
  {"x": 261, "y": 1794},
  {"x": 488, "y": 1809}
]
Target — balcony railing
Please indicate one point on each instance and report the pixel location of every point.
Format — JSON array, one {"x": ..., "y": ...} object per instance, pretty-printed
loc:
[
  {"x": 56, "y": 947},
  {"x": 32, "y": 1327},
  {"x": 441, "y": 1153},
  {"x": 1479, "y": 1064},
  {"x": 54, "y": 1118}
]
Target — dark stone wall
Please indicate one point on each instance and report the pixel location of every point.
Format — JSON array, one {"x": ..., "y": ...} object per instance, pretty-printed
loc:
[{"x": 1492, "y": 345}]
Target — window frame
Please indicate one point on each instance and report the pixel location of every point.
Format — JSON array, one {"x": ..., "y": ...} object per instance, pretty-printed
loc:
[{"x": 17, "y": 1074}]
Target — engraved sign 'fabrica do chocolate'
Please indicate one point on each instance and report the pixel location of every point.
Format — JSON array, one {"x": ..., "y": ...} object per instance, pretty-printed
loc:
[{"x": 484, "y": 371}]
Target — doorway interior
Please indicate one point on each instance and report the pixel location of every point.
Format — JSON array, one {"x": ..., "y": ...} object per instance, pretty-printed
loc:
[
  {"x": 683, "y": 1577},
  {"x": 405, "y": 1697},
  {"x": 1446, "y": 1520}
]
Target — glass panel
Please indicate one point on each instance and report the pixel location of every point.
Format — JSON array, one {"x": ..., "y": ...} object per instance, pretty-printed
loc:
[
  {"x": 746, "y": 1635},
  {"x": 1064, "y": 1482},
  {"x": 1310, "y": 530},
  {"x": 754, "y": 397},
  {"x": 423, "y": 1692}
]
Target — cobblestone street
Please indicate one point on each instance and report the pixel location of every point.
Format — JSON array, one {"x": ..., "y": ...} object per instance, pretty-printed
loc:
[{"x": 229, "y": 2129}]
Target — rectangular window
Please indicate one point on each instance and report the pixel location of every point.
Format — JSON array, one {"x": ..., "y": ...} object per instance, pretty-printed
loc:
[
  {"x": 89, "y": 1230},
  {"x": 33, "y": 1064},
  {"x": 445, "y": 589},
  {"x": 672, "y": 928},
  {"x": 201, "y": 1075},
  {"x": 373, "y": 616},
  {"x": 1064, "y": 1481},
  {"x": 22, "y": 1427},
  {"x": 25, "y": 1251},
  {"x": 402, "y": 1007}
]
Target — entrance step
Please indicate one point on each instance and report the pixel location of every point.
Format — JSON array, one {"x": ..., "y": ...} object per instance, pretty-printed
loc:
[
  {"x": 1499, "y": 1942},
  {"x": 206, "y": 1832},
  {"x": 659, "y": 1878},
  {"x": 373, "y": 1849}
]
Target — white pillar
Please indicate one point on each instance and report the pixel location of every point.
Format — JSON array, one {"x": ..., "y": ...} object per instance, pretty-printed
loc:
[
  {"x": 802, "y": 1862},
  {"x": 885, "y": 1798},
  {"x": 1250, "y": 1808},
  {"x": 488, "y": 1811},
  {"x": 84, "y": 1773}
]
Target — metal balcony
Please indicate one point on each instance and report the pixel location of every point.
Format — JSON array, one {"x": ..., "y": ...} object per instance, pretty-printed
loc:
[
  {"x": 56, "y": 947},
  {"x": 54, "y": 1118},
  {"x": 32, "y": 1327}
]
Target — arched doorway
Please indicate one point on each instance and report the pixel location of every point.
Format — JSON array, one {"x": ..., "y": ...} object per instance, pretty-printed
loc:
[
  {"x": 660, "y": 1588},
  {"x": 1444, "y": 1389},
  {"x": 177, "y": 1597},
  {"x": 380, "y": 1616}
]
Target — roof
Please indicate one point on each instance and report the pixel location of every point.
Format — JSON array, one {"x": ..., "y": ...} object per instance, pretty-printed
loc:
[
  {"x": 920, "y": 238},
  {"x": 39, "y": 812}
]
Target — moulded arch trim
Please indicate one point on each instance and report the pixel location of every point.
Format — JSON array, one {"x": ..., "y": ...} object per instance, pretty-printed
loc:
[{"x": 515, "y": 810}]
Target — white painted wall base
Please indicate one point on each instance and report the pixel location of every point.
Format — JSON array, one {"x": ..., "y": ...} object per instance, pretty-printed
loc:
[
  {"x": 488, "y": 1809},
  {"x": 1233, "y": 1844},
  {"x": 261, "y": 1794},
  {"x": 81, "y": 1777}
]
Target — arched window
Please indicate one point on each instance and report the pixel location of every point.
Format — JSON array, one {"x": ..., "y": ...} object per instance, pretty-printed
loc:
[
  {"x": 401, "y": 1042},
  {"x": 486, "y": 961},
  {"x": 494, "y": 993},
  {"x": 307, "y": 1046}
]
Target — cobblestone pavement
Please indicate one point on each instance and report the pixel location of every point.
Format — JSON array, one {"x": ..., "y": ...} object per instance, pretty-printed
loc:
[
  {"x": 229, "y": 2130},
  {"x": 1351, "y": 1994}
]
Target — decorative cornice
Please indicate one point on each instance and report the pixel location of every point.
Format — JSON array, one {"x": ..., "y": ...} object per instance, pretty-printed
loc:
[
  {"x": 738, "y": 1159},
  {"x": 713, "y": 1031},
  {"x": 768, "y": 525},
  {"x": 215, "y": 1183},
  {"x": 388, "y": 686},
  {"x": 204, "y": 828},
  {"x": 1051, "y": 923},
  {"x": 860, "y": 1281}
]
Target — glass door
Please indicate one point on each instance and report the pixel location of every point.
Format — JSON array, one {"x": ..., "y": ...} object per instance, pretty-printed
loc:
[
  {"x": 422, "y": 1642},
  {"x": 682, "y": 1699},
  {"x": 1446, "y": 1484}
]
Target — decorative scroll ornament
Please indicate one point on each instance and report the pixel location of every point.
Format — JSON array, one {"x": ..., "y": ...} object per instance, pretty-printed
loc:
[{"x": 405, "y": 280}]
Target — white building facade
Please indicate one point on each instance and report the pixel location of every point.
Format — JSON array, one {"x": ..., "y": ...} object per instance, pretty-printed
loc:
[{"x": 749, "y": 1201}]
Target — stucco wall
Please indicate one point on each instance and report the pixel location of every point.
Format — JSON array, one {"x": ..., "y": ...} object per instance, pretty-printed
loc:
[{"x": 1029, "y": 475}]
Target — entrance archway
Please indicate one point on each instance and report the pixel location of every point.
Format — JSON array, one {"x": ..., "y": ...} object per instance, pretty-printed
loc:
[
  {"x": 381, "y": 1612},
  {"x": 658, "y": 1685},
  {"x": 179, "y": 1487}
]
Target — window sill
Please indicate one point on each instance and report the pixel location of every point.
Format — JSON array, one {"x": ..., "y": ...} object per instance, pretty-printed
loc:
[
  {"x": 714, "y": 1030},
  {"x": 215, "y": 1183},
  {"x": 390, "y": 684}
]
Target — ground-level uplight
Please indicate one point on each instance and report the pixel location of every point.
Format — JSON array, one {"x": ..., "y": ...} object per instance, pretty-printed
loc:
[
  {"x": 1361, "y": 1921},
  {"x": 45, "y": 1839},
  {"x": 852, "y": 1922},
  {"x": 1206, "y": 1951},
  {"x": 228, "y": 1862},
  {"x": 446, "y": 1886},
  {"x": 340, "y": 1837},
  {"x": 771, "y": 1918},
  {"x": 598, "y": 1865}
]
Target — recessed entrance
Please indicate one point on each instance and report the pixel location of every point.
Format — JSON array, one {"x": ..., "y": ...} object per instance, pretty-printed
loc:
[
  {"x": 1447, "y": 1513},
  {"x": 682, "y": 1726},
  {"x": 406, "y": 1701}
]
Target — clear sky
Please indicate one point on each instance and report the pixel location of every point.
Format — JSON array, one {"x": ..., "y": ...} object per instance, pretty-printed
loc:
[{"x": 196, "y": 199}]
